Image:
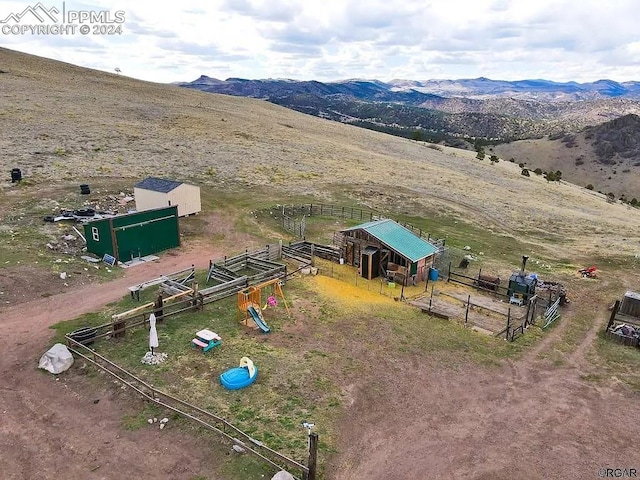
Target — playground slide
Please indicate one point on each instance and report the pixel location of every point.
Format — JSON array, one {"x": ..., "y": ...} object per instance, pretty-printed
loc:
[{"x": 258, "y": 319}]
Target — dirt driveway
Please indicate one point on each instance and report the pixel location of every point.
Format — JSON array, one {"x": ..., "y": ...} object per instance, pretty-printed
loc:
[
  {"x": 521, "y": 420},
  {"x": 65, "y": 429}
]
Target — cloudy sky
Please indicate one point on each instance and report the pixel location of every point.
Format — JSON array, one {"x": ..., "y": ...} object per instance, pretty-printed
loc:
[{"x": 562, "y": 40}]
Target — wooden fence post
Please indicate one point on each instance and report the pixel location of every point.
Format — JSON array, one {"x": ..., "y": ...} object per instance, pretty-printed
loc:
[
  {"x": 194, "y": 286},
  {"x": 508, "y": 322},
  {"x": 431, "y": 297},
  {"x": 466, "y": 315},
  {"x": 313, "y": 456},
  {"x": 614, "y": 312},
  {"x": 449, "y": 273},
  {"x": 158, "y": 311}
]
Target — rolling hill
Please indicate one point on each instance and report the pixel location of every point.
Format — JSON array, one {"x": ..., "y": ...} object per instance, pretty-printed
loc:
[
  {"x": 607, "y": 156},
  {"x": 85, "y": 124}
]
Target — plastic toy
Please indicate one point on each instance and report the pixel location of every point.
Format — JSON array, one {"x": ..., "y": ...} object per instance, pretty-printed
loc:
[
  {"x": 241, "y": 376},
  {"x": 206, "y": 340}
]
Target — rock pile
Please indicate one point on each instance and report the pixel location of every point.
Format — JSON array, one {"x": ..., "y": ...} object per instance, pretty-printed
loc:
[{"x": 154, "y": 358}]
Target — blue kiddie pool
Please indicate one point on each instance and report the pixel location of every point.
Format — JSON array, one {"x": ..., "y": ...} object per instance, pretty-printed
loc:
[{"x": 241, "y": 376}]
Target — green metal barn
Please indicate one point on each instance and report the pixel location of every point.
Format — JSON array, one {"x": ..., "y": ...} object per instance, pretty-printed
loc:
[{"x": 134, "y": 235}]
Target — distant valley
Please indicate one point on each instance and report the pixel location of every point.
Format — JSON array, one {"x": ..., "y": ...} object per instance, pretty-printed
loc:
[
  {"x": 537, "y": 122},
  {"x": 445, "y": 110}
]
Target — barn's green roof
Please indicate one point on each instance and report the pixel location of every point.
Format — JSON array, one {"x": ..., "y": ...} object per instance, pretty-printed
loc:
[{"x": 398, "y": 238}]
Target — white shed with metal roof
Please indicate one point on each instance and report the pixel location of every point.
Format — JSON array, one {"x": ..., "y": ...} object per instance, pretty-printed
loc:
[{"x": 155, "y": 192}]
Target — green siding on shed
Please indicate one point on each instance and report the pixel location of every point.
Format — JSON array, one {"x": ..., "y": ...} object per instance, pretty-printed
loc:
[
  {"x": 135, "y": 234},
  {"x": 98, "y": 235}
]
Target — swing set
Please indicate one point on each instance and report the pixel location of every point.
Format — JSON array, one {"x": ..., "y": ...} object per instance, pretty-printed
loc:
[{"x": 251, "y": 299}]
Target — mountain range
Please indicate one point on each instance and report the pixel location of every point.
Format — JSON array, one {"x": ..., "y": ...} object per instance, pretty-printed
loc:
[
  {"x": 417, "y": 92},
  {"x": 449, "y": 110}
]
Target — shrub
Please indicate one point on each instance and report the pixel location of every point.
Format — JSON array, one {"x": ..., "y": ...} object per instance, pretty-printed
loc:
[
  {"x": 525, "y": 172},
  {"x": 512, "y": 160},
  {"x": 521, "y": 165},
  {"x": 634, "y": 201},
  {"x": 589, "y": 187},
  {"x": 538, "y": 171},
  {"x": 494, "y": 159}
]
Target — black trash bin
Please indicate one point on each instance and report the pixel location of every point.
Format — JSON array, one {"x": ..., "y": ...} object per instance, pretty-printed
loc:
[
  {"x": 84, "y": 335},
  {"x": 16, "y": 175}
]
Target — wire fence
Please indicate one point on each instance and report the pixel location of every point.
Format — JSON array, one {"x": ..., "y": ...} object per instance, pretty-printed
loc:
[{"x": 292, "y": 218}]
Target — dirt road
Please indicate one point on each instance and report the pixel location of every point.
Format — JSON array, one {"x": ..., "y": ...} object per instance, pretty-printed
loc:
[
  {"x": 62, "y": 428},
  {"x": 525, "y": 419}
]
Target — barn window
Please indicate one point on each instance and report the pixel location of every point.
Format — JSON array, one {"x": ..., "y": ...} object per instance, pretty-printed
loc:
[{"x": 95, "y": 234}]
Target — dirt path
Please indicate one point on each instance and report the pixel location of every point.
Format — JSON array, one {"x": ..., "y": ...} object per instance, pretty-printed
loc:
[
  {"x": 523, "y": 419},
  {"x": 65, "y": 428}
]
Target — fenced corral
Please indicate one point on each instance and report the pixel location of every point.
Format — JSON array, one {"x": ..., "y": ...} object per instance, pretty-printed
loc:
[
  {"x": 624, "y": 323},
  {"x": 490, "y": 315},
  {"x": 229, "y": 275},
  {"x": 182, "y": 277},
  {"x": 290, "y": 213},
  {"x": 481, "y": 282},
  {"x": 308, "y": 250},
  {"x": 203, "y": 418},
  {"x": 478, "y": 312}
]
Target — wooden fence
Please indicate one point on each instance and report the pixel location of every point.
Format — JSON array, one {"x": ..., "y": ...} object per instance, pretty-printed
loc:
[
  {"x": 477, "y": 283},
  {"x": 206, "y": 419},
  {"x": 308, "y": 250},
  {"x": 289, "y": 213}
]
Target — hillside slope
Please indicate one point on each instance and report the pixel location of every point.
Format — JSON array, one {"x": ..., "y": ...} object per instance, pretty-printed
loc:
[
  {"x": 66, "y": 123},
  {"x": 606, "y": 156}
]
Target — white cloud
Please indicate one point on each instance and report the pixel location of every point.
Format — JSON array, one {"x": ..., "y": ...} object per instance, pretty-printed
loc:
[{"x": 562, "y": 40}]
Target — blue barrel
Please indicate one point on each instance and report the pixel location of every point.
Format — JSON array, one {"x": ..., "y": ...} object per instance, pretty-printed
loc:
[{"x": 433, "y": 274}]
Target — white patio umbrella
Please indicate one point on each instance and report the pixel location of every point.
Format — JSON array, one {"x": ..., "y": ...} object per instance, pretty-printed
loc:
[{"x": 153, "y": 334}]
